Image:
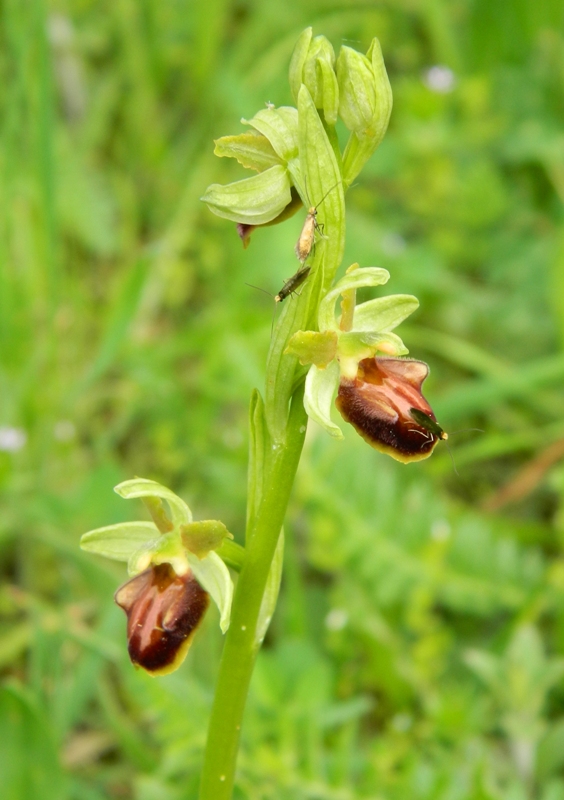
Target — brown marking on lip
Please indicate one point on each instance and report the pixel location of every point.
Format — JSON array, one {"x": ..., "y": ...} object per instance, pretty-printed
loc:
[
  {"x": 163, "y": 611},
  {"x": 378, "y": 401}
]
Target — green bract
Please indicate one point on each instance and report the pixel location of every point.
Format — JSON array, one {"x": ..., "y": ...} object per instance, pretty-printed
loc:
[
  {"x": 335, "y": 351},
  {"x": 178, "y": 541}
]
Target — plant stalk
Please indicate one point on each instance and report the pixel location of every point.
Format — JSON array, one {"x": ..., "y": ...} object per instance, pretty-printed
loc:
[{"x": 241, "y": 647}]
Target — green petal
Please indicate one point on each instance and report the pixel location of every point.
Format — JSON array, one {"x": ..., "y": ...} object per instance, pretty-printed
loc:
[
  {"x": 280, "y": 126},
  {"x": 203, "y": 536},
  {"x": 384, "y": 313},
  {"x": 213, "y": 576},
  {"x": 254, "y": 200},
  {"x": 252, "y": 150},
  {"x": 119, "y": 541},
  {"x": 142, "y": 487},
  {"x": 320, "y": 388},
  {"x": 358, "y": 278}
]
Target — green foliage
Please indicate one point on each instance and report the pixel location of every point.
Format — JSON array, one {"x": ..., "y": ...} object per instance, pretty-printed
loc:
[{"x": 416, "y": 649}]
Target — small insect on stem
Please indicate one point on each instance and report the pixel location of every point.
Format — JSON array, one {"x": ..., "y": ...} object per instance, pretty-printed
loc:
[
  {"x": 292, "y": 284},
  {"x": 289, "y": 288},
  {"x": 306, "y": 238},
  {"x": 429, "y": 424}
]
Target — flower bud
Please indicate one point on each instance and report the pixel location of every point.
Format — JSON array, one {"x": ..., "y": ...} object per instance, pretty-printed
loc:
[
  {"x": 379, "y": 402},
  {"x": 313, "y": 63},
  {"x": 163, "y": 611},
  {"x": 365, "y": 104},
  {"x": 357, "y": 91}
]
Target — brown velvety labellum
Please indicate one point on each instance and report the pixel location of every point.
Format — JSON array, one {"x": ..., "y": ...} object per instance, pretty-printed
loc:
[
  {"x": 163, "y": 611},
  {"x": 378, "y": 403}
]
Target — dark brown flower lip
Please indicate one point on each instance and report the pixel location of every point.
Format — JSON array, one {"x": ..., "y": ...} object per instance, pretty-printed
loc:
[
  {"x": 163, "y": 611},
  {"x": 379, "y": 401}
]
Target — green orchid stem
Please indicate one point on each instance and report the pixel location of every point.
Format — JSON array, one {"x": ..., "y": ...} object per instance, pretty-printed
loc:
[{"x": 241, "y": 646}]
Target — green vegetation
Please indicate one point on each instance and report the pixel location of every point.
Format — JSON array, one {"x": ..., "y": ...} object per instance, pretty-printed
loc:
[{"x": 416, "y": 649}]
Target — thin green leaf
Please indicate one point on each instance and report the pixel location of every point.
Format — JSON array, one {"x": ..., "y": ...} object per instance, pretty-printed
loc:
[{"x": 270, "y": 596}]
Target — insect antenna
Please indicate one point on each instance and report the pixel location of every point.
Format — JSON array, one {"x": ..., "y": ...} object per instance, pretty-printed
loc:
[
  {"x": 259, "y": 288},
  {"x": 270, "y": 295}
]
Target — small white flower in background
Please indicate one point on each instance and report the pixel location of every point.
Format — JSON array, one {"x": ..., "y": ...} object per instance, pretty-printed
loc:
[
  {"x": 64, "y": 430},
  {"x": 439, "y": 79},
  {"x": 402, "y": 722},
  {"x": 12, "y": 439},
  {"x": 440, "y": 530},
  {"x": 336, "y": 619},
  {"x": 393, "y": 244}
]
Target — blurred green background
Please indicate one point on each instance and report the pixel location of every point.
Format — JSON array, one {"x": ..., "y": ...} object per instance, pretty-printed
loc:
[{"x": 417, "y": 649}]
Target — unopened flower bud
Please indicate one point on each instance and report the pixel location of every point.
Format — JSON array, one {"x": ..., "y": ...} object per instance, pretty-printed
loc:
[
  {"x": 357, "y": 91},
  {"x": 313, "y": 64},
  {"x": 365, "y": 104}
]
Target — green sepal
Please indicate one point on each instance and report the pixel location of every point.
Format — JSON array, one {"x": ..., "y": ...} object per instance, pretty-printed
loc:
[
  {"x": 312, "y": 347},
  {"x": 142, "y": 487},
  {"x": 297, "y": 61},
  {"x": 213, "y": 576},
  {"x": 120, "y": 541},
  {"x": 254, "y": 200},
  {"x": 320, "y": 79},
  {"x": 280, "y": 126},
  {"x": 384, "y": 97},
  {"x": 203, "y": 536},
  {"x": 357, "y": 91},
  {"x": 320, "y": 388},
  {"x": 252, "y": 150},
  {"x": 384, "y": 313},
  {"x": 271, "y": 590},
  {"x": 330, "y": 97},
  {"x": 357, "y": 279}
]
